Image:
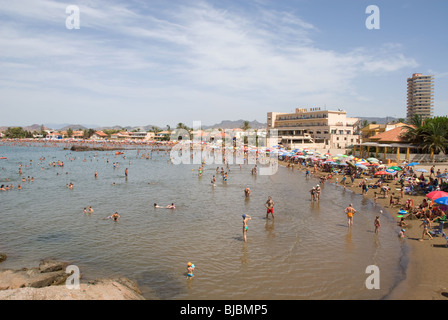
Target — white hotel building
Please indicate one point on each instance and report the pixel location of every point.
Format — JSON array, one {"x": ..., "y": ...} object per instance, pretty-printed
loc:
[{"x": 314, "y": 129}]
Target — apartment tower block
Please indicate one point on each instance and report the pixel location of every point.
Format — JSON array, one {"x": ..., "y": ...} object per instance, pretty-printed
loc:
[{"x": 420, "y": 96}]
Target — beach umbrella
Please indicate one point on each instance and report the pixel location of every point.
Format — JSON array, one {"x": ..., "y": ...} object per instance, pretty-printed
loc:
[
  {"x": 395, "y": 168},
  {"x": 350, "y": 163},
  {"x": 436, "y": 194},
  {"x": 413, "y": 164},
  {"x": 390, "y": 170},
  {"x": 401, "y": 213},
  {"x": 442, "y": 200},
  {"x": 372, "y": 160},
  {"x": 421, "y": 170},
  {"x": 378, "y": 173},
  {"x": 442, "y": 175}
]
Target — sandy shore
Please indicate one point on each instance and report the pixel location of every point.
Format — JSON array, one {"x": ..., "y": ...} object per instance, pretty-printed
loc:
[{"x": 426, "y": 278}]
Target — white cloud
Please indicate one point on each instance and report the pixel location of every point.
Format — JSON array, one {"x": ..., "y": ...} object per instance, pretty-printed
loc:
[{"x": 197, "y": 53}]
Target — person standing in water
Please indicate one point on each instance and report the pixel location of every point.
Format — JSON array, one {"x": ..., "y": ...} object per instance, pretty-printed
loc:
[
  {"x": 270, "y": 207},
  {"x": 246, "y": 218},
  {"x": 350, "y": 211},
  {"x": 377, "y": 224},
  {"x": 190, "y": 269}
]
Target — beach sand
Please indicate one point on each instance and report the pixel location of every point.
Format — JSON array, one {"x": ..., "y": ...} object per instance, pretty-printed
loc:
[{"x": 426, "y": 277}]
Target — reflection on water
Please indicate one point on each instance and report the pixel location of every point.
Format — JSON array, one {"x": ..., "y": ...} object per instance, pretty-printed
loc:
[{"x": 306, "y": 252}]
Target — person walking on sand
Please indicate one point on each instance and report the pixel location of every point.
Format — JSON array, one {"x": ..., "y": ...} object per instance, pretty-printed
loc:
[
  {"x": 270, "y": 207},
  {"x": 426, "y": 227},
  {"x": 246, "y": 219},
  {"x": 350, "y": 211}
]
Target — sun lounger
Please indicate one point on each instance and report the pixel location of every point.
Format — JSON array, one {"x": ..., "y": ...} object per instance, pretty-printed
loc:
[{"x": 437, "y": 231}]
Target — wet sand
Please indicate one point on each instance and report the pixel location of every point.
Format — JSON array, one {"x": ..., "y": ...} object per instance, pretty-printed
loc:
[{"x": 426, "y": 277}]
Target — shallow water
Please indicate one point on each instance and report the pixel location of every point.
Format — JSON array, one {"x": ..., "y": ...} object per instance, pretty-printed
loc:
[{"x": 306, "y": 252}]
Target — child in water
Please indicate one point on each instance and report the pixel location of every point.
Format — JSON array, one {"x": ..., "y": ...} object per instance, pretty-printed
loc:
[
  {"x": 377, "y": 224},
  {"x": 190, "y": 269}
]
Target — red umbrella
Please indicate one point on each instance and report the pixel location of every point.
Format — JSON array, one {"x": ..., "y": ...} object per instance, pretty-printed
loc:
[
  {"x": 381, "y": 173},
  {"x": 436, "y": 194}
]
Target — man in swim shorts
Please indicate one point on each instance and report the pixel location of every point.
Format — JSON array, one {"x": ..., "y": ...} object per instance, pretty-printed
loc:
[
  {"x": 270, "y": 207},
  {"x": 350, "y": 211}
]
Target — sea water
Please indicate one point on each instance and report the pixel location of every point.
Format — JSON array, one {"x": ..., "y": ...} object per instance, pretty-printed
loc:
[{"x": 306, "y": 252}]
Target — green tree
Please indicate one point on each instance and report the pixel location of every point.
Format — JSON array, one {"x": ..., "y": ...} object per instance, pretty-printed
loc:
[
  {"x": 88, "y": 133},
  {"x": 430, "y": 134},
  {"x": 246, "y": 125},
  {"x": 17, "y": 133},
  {"x": 69, "y": 132}
]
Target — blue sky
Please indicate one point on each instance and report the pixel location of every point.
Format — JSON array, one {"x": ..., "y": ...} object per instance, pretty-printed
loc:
[{"x": 163, "y": 62}]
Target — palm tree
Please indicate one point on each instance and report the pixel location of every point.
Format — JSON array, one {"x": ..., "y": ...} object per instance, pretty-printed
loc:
[
  {"x": 246, "y": 125},
  {"x": 430, "y": 134},
  {"x": 414, "y": 129},
  {"x": 435, "y": 136}
]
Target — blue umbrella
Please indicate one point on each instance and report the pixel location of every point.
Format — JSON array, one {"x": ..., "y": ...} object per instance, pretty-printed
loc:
[
  {"x": 442, "y": 200},
  {"x": 413, "y": 164},
  {"x": 421, "y": 170}
]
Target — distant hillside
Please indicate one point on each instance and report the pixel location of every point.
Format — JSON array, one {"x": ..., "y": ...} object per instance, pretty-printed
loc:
[
  {"x": 232, "y": 124},
  {"x": 378, "y": 120},
  {"x": 34, "y": 127},
  {"x": 225, "y": 124}
]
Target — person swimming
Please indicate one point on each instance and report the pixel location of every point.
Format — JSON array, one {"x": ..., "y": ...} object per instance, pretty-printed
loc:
[
  {"x": 171, "y": 206},
  {"x": 115, "y": 216}
]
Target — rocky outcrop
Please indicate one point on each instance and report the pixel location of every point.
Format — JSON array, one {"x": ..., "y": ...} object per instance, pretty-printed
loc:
[
  {"x": 47, "y": 282},
  {"x": 81, "y": 148}
]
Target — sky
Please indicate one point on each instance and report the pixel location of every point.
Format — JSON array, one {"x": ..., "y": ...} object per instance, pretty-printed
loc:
[{"x": 158, "y": 62}]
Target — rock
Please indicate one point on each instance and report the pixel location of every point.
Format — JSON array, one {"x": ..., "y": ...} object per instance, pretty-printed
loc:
[
  {"x": 79, "y": 148},
  {"x": 103, "y": 289},
  {"x": 47, "y": 282},
  {"x": 12, "y": 279},
  {"x": 2, "y": 257},
  {"x": 51, "y": 265}
]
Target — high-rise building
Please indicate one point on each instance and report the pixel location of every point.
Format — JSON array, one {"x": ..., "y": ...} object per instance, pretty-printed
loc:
[{"x": 420, "y": 96}]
